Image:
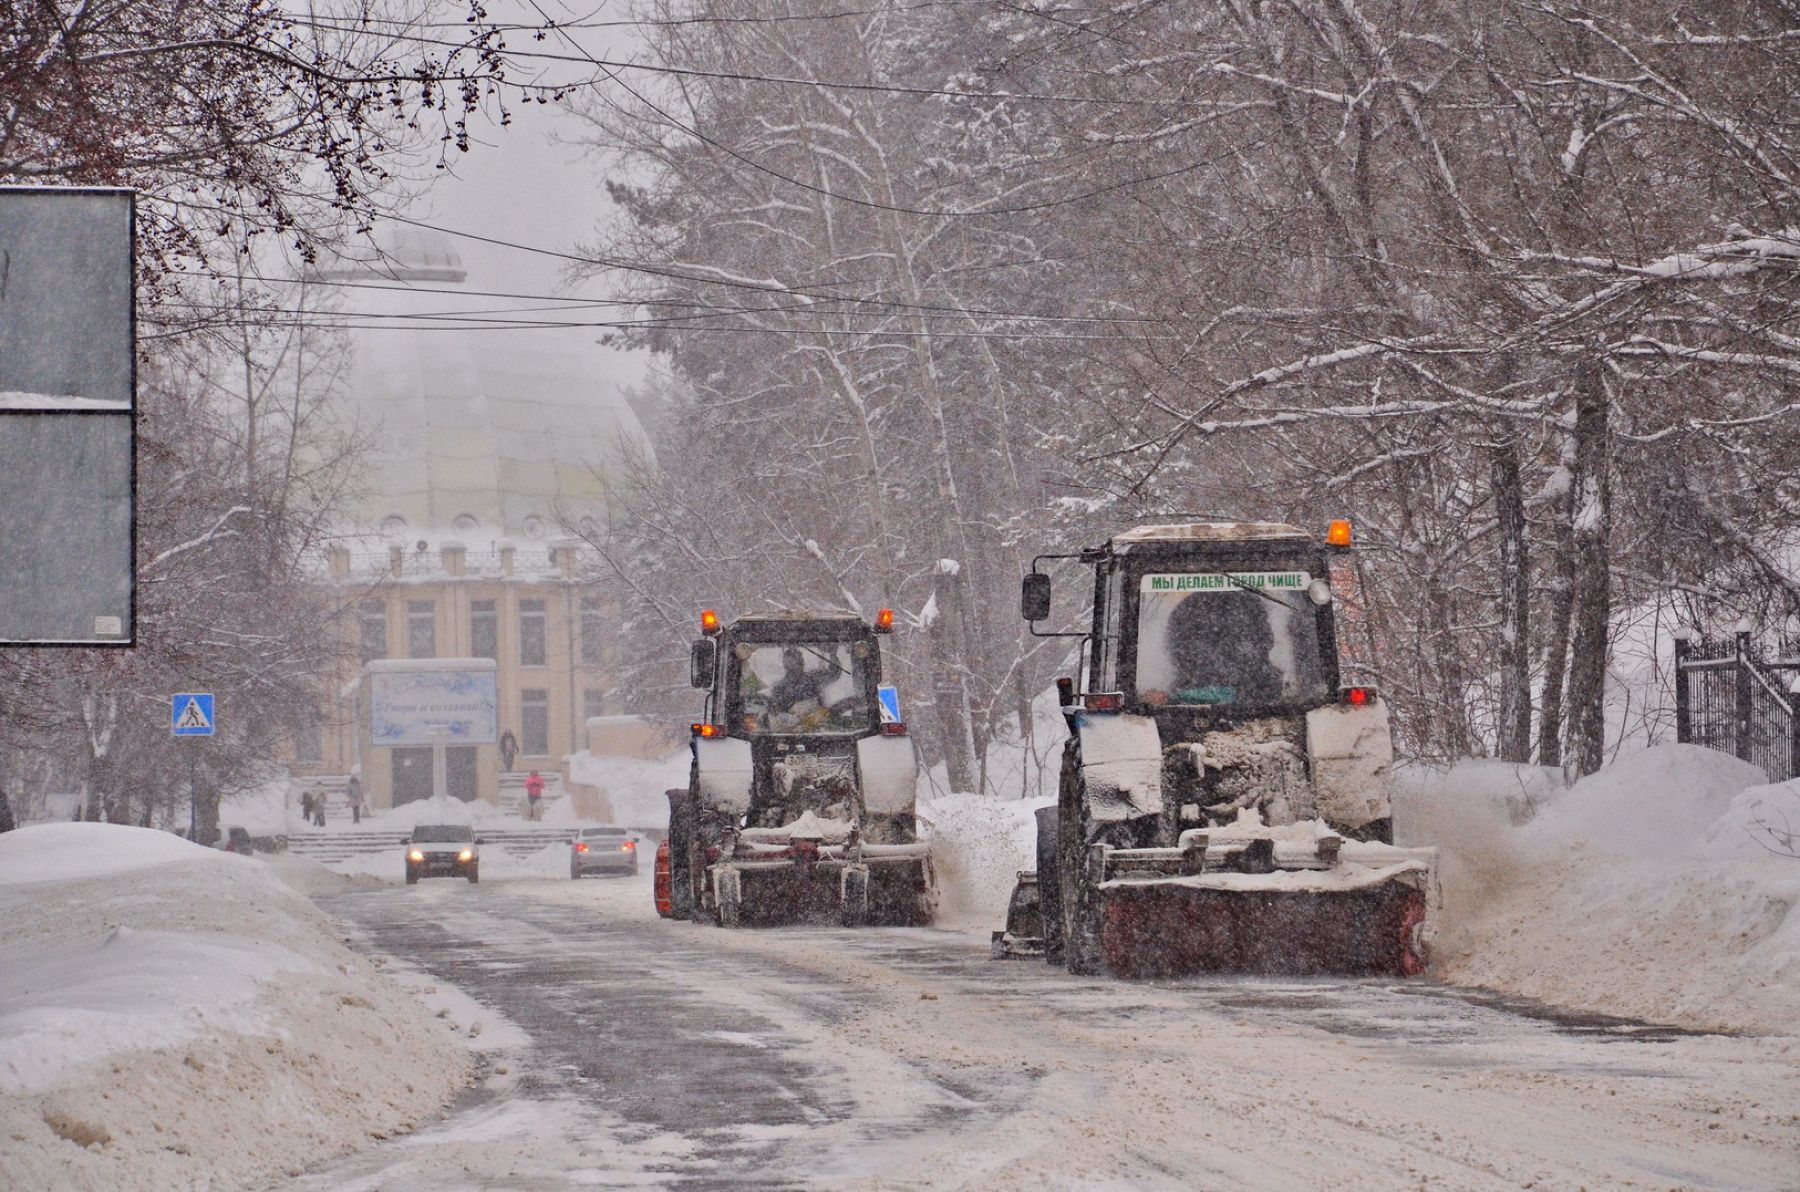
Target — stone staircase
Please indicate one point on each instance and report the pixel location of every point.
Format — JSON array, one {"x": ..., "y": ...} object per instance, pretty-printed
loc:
[
  {"x": 512, "y": 792},
  {"x": 367, "y": 840}
]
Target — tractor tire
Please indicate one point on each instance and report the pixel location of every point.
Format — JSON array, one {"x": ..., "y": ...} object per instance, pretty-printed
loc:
[
  {"x": 1077, "y": 900},
  {"x": 683, "y": 823},
  {"x": 853, "y": 911},
  {"x": 412, "y": 879},
  {"x": 474, "y": 876},
  {"x": 1049, "y": 885},
  {"x": 731, "y": 898}
]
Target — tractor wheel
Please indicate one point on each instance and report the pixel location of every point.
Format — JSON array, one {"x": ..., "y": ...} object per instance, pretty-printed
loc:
[
  {"x": 853, "y": 911},
  {"x": 1077, "y": 899},
  {"x": 683, "y": 805},
  {"x": 731, "y": 898}
]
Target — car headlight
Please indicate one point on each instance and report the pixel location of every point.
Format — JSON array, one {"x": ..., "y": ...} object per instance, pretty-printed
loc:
[
  {"x": 415, "y": 855},
  {"x": 467, "y": 854}
]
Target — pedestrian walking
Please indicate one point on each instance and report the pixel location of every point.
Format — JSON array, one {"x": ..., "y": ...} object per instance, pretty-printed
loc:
[
  {"x": 534, "y": 792},
  {"x": 319, "y": 810},
  {"x": 509, "y": 749},
  {"x": 306, "y": 807},
  {"x": 354, "y": 796}
]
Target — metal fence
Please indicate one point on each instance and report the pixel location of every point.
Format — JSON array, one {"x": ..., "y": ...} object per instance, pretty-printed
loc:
[{"x": 1731, "y": 697}]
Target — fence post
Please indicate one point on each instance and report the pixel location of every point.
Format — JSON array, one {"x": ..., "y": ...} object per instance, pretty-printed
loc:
[
  {"x": 1744, "y": 695},
  {"x": 1793, "y": 769},
  {"x": 1684, "y": 710}
]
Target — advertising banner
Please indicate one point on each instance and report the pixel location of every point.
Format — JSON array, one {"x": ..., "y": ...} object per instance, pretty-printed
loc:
[{"x": 435, "y": 706}]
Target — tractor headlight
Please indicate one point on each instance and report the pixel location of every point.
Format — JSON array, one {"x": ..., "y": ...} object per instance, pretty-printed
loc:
[
  {"x": 415, "y": 855},
  {"x": 467, "y": 854}
]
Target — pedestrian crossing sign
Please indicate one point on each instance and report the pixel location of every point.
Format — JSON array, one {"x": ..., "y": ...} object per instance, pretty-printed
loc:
[{"x": 191, "y": 714}]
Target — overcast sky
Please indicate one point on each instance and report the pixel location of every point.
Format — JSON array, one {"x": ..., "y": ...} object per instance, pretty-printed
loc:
[{"x": 519, "y": 184}]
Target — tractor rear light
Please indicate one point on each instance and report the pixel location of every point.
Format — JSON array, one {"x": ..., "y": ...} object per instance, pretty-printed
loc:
[
  {"x": 628, "y": 846},
  {"x": 893, "y": 728},
  {"x": 709, "y": 621},
  {"x": 1338, "y": 532},
  {"x": 1104, "y": 701},
  {"x": 708, "y": 730},
  {"x": 581, "y": 846},
  {"x": 884, "y": 620},
  {"x": 1357, "y": 697}
]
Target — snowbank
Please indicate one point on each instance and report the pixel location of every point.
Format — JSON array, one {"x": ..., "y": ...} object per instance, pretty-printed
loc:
[
  {"x": 172, "y": 1016},
  {"x": 634, "y": 787},
  {"x": 1643, "y": 890}
]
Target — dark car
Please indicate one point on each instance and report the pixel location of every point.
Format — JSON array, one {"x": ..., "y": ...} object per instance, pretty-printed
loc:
[
  {"x": 603, "y": 850},
  {"x": 442, "y": 850}
]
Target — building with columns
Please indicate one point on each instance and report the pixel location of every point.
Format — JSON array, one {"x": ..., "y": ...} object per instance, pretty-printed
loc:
[{"x": 488, "y": 448}]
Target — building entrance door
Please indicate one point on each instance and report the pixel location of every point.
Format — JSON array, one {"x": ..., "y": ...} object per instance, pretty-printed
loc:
[
  {"x": 460, "y": 775},
  {"x": 412, "y": 774}
]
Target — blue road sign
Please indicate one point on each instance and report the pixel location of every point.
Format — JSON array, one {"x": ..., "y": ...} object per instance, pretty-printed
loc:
[
  {"x": 191, "y": 714},
  {"x": 890, "y": 704}
]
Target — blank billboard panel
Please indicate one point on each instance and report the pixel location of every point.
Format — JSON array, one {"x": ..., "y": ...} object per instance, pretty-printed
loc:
[
  {"x": 65, "y": 299},
  {"x": 65, "y": 527},
  {"x": 67, "y": 432}
]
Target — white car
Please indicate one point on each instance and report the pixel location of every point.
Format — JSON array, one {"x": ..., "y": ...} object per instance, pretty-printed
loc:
[{"x": 603, "y": 850}]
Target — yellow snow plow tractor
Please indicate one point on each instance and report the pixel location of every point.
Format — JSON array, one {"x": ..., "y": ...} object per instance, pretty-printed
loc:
[
  {"x": 1223, "y": 803},
  {"x": 800, "y": 798}
]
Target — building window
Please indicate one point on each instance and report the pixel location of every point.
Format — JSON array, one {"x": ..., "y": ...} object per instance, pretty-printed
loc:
[
  {"x": 534, "y": 721},
  {"x": 591, "y": 621},
  {"x": 309, "y": 744},
  {"x": 421, "y": 629},
  {"x": 484, "y": 630},
  {"x": 531, "y": 633},
  {"x": 593, "y": 703},
  {"x": 374, "y": 630}
]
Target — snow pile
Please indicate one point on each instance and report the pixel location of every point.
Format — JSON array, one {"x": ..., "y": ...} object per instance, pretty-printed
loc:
[
  {"x": 1642, "y": 891},
  {"x": 172, "y": 1016},
  {"x": 978, "y": 847},
  {"x": 13, "y": 399},
  {"x": 634, "y": 787}
]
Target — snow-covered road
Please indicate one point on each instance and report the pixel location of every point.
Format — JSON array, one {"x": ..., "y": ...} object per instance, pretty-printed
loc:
[{"x": 624, "y": 1050}]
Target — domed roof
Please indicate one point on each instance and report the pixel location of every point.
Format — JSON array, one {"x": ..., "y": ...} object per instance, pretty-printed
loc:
[
  {"x": 399, "y": 252},
  {"x": 490, "y": 432}
]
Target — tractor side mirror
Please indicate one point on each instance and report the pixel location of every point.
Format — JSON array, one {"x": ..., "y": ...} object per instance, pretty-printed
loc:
[
  {"x": 1034, "y": 597},
  {"x": 703, "y": 663}
]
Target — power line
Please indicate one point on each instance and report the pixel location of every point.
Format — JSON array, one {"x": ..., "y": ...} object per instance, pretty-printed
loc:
[
  {"x": 638, "y": 267},
  {"x": 614, "y": 64}
]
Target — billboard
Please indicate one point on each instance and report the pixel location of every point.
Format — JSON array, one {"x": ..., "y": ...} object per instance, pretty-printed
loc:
[
  {"x": 67, "y": 431},
  {"x": 434, "y": 704}
]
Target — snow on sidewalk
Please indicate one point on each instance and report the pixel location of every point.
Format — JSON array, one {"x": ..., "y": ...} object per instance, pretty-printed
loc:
[
  {"x": 1654, "y": 889},
  {"x": 172, "y": 1016}
]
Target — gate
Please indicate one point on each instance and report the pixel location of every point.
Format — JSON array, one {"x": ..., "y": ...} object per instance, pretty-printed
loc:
[{"x": 1730, "y": 698}]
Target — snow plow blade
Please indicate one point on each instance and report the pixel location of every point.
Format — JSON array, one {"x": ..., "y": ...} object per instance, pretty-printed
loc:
[
  {"x": 772, "y": 878},
  {"x": 850, "y": 895},
  {"x": 1168, "y": 930},
  {"x": 1295, "y": 901}
]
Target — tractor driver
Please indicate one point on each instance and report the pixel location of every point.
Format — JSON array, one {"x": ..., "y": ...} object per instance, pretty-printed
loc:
[
  {"x": 797, "y": 688},
  {"x": 1220, "y": 643}
]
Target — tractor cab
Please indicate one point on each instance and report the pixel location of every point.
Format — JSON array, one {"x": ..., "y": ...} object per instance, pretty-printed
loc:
[{"x": 800, "y": 801}]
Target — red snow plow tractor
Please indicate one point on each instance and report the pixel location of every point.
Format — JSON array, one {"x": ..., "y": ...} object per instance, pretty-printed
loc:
[
  {"x": 1223, "y": 805},
  {"x": 799, "y": 804}
]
